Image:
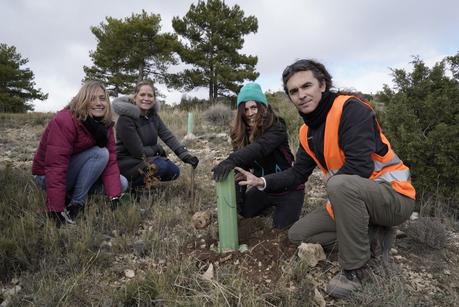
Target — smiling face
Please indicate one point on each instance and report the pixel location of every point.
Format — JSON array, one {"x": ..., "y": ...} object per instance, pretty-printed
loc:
[
  {"x": 98, "y": 105},
  {"x": 305, "y": 91},
  {"x": 250, "y": 112},
  {"x": 145, "y": 98}
]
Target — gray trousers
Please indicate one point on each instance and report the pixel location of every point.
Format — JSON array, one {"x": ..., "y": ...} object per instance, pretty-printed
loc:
[{"x": 357, "y": 203}]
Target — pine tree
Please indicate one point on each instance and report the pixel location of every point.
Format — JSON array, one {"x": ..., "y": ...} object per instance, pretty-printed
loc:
[
  {"x": 131, "y": 50},
  {"x": 213, "y": 34},
  {"x": 17, "y": 87}
]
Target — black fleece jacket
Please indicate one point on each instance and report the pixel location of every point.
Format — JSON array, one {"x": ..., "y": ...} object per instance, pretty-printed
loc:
[
  {"x": 358, "y": 138},
  {"x": 267, "y": 154}
]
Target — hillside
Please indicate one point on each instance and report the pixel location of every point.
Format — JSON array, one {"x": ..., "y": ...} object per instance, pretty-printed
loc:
[{"x": 147, "y": 252}]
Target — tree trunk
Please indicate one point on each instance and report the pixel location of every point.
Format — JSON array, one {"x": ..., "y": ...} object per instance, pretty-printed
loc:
[
  {"x": 211, "y": 91},
  {"x": 141, "y": 68}
]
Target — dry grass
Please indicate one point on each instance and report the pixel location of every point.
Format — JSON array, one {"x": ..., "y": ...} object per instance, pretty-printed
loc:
[{"x": 85, "y": 265}]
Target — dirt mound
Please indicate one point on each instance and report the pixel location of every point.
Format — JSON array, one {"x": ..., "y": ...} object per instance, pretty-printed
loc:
[{"x": 267, "y": 250}]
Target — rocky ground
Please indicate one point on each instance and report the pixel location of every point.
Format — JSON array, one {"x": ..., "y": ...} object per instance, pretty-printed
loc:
[{"x": 428, "y": 273}]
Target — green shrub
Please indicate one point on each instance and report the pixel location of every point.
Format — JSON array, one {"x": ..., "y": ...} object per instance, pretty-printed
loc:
[
  {"x": 421, "y": 120},
  {"x": 428, "y": 231},
  {"x": 285, "y": 109},
  {"x": 139, "y": 292}
]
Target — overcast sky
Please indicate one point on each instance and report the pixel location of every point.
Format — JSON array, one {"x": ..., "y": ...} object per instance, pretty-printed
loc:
[{"x": 358, "y": 40}]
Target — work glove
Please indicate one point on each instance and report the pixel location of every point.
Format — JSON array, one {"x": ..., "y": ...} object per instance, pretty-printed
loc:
[
  {"x": 190, "y": 159},
  {"x": 222, "y": 170}
]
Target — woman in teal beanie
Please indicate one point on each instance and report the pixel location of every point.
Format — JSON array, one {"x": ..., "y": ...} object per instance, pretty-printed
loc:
[{"x": 260, "y": 142}]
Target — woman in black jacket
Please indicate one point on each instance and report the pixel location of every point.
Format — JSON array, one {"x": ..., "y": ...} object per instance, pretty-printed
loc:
[
  {"x": 137, "y": 132},
  {"x": 260, "y": 142}
]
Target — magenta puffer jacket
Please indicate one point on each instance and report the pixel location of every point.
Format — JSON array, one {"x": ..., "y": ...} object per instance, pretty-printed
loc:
[{"x": 63, "y": 137}]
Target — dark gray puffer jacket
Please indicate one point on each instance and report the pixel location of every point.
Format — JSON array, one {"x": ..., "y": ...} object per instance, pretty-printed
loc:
[{"x": 137, "y": 137}]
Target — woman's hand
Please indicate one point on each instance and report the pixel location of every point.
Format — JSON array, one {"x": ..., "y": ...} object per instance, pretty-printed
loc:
[{"x": 244, "y": 177}]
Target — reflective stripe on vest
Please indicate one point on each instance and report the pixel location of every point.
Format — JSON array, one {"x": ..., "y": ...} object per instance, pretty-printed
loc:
[{"x": 388, "y": 168}]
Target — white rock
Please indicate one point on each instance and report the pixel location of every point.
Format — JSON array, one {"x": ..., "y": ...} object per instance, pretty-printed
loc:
[
  {"x": 311, "y": 253},
  {"x": 201, "y": 219},
  {"x": 318, "y": 298},
  {"x": 13, "y": 291},
  {"x": 129, "y": 273},
  {"x": 209, "y": 273},
  {"x": 414, "y": 216}
]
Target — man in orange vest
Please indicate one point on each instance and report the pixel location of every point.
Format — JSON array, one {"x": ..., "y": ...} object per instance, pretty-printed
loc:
[{"x": 368, "y": 186}]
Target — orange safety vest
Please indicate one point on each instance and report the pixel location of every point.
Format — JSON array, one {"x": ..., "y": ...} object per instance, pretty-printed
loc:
[{"x": 387, "y": 168}]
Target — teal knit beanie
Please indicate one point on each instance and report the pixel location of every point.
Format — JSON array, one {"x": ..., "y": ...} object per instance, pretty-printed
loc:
[{"x": 251, "y": 91}]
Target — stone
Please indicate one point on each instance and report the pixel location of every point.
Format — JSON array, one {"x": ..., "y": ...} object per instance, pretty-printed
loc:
[
  {"x": 129, "y": 273},
  {"x": 209, "y": 273},
  {"x": 139, "y": 247},
  {"x": 311, "y": 253},
  {"x": 201, "y": 219},
  {"x": 318, "y": 298}
]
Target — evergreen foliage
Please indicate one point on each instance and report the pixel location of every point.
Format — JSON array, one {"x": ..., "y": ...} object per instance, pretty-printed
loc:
[
  {"x": 213, "y": 34},
  {"x": 422, "y": 122},
  {"x": 16, "y": 83},
  {"x": 129, "y": 51}
]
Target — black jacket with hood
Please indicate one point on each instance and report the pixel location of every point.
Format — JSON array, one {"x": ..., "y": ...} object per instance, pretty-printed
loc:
[{"x": 137, "y": 137}]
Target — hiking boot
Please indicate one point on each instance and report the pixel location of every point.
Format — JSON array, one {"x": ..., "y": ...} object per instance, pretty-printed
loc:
[
  {"x": 342, "y": 285},
  {"x": 381, "y": 238},
  {"x": 116, "y": 202},
  {"x": 60, "y": 218},
  {"x": 74, "y": 210}
]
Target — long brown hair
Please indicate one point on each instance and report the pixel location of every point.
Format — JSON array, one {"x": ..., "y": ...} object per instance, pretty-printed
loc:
[
  {"x": 241, "y": 134},
  {"x": 79, "y": 105}
]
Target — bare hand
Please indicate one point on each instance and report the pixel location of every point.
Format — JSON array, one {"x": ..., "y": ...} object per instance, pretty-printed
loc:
[{"x": 244, "y": 177}]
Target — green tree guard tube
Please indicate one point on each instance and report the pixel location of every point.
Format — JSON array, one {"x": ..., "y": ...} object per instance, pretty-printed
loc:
[{"x": 227, "y": 214}]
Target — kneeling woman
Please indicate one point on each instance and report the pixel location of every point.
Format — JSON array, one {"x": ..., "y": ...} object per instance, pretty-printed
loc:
[
  {"x": 260, "y": 143},
  {"x": 77, "y": 149},
  {"x": 137, "y": 132}
]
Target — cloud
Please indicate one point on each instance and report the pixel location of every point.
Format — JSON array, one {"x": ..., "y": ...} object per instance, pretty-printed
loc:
[{"x": 357, "y": 40}]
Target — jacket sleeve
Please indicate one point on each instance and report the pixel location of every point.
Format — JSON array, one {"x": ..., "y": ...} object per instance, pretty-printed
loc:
[
  {"x": 170, "y": 140},
  {"x": 293, "y": 176},
  {"x": 262, "y": 147},
  {"x": 357, "y": 139},
  {"x": 126, "y": 132},
  {"x": 111, "y": 173},
  {"x": 61, "y": 137}
]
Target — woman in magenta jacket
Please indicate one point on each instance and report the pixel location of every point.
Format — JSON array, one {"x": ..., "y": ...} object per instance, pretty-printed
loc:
[{"x": 77, "y": 153}]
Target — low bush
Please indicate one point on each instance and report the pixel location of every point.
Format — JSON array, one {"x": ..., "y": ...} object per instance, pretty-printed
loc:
[{"x": 218, "y": 115}]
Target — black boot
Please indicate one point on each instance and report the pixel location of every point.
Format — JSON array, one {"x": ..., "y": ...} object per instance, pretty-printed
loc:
[
  {"x": 74, "y": 210},
  {"x": 60, "y": 218}
]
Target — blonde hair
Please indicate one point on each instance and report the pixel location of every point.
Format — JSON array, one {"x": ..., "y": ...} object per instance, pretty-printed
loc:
[{"x": 79, "y": 105}]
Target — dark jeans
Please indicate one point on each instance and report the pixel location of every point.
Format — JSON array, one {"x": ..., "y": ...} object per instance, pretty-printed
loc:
[
  {"x": 83, "y": 175},
  {"x": 166, "y": 170},
  {"x": 287, "y": 206}
]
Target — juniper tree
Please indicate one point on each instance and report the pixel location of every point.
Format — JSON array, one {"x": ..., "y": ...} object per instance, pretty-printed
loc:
[{"x": 421, "y": 119}]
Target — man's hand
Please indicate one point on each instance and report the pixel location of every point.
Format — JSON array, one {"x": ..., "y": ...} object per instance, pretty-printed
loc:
[{"x": 244, "y": 177}]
